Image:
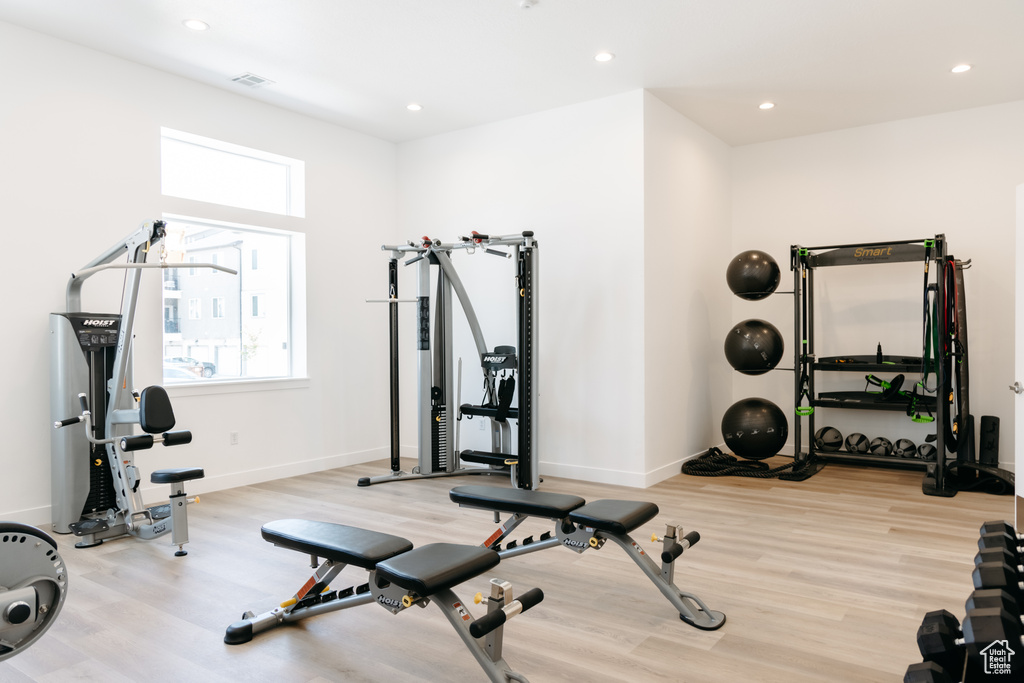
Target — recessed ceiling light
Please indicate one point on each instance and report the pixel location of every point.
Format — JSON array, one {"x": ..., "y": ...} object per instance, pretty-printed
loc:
[
  {"x": 766, "y": 105},
  {"x": 412, "y": 106},
  {"x": 604, "y": 57},
  {"x": 196, "y": 24},
  {"x": 960, "y": 68}
]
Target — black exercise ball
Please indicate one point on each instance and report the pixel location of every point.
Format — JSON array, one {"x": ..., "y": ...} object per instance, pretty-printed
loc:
[
  {"x": 857, "y": 443},
  {"x": 755, "y": 428},
  {"x": 828, "y": 439},
  {"x": 904, "y": 448},
  {"x": 754, "y": 347},
  {"x": 880, "y": 446},
  {"x": 753, "y": 275}
]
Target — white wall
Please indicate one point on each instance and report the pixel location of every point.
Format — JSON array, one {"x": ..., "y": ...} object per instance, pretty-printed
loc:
[
  {"x": 950, "y": 173},
  {"x": 574, "y": 176},
  {"x": 79, "y": 140},
  {"x": 687, "y": 193}
]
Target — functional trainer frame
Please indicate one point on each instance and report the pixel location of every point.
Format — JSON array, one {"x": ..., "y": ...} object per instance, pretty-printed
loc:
[
  {"x": 95, "y": 483},
  {"x": 399, "y": 577},
  {"x": 438, "y": 409},
  {"x": 580, "y": 526}
]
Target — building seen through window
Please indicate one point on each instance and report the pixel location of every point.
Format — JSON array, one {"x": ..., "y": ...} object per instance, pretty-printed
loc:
[{"x": 223, "y": 326}]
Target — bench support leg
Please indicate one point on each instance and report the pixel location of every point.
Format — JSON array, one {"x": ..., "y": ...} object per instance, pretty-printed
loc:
[
  {"x": 691, "y": 609},
  {"x": 490, "y": 659},
  {"x": 308, "y": 601}
]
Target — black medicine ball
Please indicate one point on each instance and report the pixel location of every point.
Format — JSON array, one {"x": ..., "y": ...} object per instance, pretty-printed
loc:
[
  {"x": 904, "y": 448},
  {"x": 880, "y": 446},
  {"x": 857, "y": 443},
  {"x": 828, "y": 439}
]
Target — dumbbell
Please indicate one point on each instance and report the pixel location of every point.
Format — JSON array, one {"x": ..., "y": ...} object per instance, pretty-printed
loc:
[
  {"x": 1000, "y": 535},
  {"x": 997, "y": 527},
  {"x": 998, "y": 573},
  {"x": 993, "y": 597},
  {"x": 936, "y": 639},
  {"x": 927, "y": 672},
  {"x": 942, "y": 640}
]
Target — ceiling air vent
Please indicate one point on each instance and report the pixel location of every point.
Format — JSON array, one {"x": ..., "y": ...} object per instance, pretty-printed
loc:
[{"x": 252, "y": 80}]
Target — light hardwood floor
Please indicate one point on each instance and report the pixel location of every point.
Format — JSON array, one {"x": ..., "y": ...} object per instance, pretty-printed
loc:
[{"x": 821, "y": 580}]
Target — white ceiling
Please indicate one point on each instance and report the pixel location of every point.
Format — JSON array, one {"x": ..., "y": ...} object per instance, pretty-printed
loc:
[{"x": 827, "y": 64}]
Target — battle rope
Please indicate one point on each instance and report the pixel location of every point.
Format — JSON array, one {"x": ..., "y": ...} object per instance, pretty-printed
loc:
[{"x": 715, "y": 463}]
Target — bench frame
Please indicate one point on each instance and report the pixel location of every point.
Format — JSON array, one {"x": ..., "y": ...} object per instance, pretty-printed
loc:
[
  {"x": 579, "y": 538},
  {"x": 314, "y": 598}
]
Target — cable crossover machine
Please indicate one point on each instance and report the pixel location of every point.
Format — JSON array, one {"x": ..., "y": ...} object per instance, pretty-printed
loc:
[
  {"x": 95, "y": 482},
  {"x": 439, "y": 406}
]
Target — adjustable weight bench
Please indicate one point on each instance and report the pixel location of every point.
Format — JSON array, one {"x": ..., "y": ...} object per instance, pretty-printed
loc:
[
  {"x": 580, "y": 525},
  {"x": 399, "y": 578}
]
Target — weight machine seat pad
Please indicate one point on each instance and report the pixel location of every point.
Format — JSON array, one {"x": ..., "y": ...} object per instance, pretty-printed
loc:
[
  {"x": 437, "y": 566},
  {"x": 614, "y": 516},
  {"x": 336, "y": 542},
  {"x": 521, "y": 501},
  {"x": 175, "y": 475},
  {"x": 155, "y": 412}
]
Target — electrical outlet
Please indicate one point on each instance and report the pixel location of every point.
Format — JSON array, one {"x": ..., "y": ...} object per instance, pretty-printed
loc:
[{"x": 233, "y": 437}]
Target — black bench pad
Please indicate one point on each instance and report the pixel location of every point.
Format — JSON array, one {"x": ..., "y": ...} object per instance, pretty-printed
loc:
[
  {"x": 614, "y": 516},
  {"x": 175, "y": 475},
  {"x": 336, "y": 542},
  {"x": 437, "y": 566},
  {"x": 522, "y": 501}
]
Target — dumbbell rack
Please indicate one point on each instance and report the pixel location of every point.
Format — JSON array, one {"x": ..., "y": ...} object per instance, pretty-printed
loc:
[
  {"x": 804, "y": 261},
  {"x": 989, "y": 645}
]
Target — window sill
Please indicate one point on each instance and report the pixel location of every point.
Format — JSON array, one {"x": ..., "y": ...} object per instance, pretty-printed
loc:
[{"x": 213, "y": 387}]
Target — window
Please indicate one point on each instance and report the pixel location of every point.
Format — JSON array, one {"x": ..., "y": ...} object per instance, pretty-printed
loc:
[
  {"x": 255, "y": 328},
  {"x": 254, "y": 320},
  {"x": 208, "y": 170}
]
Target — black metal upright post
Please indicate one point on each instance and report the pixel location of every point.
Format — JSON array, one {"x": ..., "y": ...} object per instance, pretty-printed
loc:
[
  {"x": 526, "y": 364},
  {"x": 797, "y": 266},
  {"x": 396, "y": 463},
  {"x": 941, "y": 380}
]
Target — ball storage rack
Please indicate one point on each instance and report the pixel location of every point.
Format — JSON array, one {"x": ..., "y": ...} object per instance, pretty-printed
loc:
[{"x": 929, "y": 378}]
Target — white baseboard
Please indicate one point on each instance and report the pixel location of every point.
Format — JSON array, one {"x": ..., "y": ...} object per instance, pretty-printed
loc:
[
  {"x": 153, "y": 493},
  {"x": 41, "y": 517},
  {"x": 283, "y": 471},
  {"x": 640, "y": 480}
]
